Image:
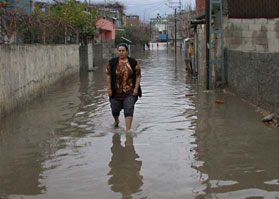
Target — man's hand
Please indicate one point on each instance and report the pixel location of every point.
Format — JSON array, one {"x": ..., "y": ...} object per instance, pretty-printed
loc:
[
  {"x": 109, "y": 92},
  {"x": 109, "y": 85},
  {"x": 135, "y": 93}
]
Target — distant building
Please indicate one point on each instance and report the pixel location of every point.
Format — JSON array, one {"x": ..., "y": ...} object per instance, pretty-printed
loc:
[
  {"x": 26, "y": 5},
  {"x": 106, "y": 29},
  {"x": 132, "y": 20},
  {"x": 200, "y": 6},
  {"x": 113, "y": 11},
  {"x": 159, "y": 26},
  {"x": 43, "y": 6}
]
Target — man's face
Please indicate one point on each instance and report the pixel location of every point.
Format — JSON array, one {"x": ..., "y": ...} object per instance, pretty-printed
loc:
[{"x": 122, "y": 52}]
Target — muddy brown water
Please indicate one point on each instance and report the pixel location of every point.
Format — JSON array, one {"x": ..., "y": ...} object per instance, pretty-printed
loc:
[{"x": 63, "y": 146}]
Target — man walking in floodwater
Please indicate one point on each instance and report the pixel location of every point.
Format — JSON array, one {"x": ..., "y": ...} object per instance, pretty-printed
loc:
[{"x": 123, "y": 83}]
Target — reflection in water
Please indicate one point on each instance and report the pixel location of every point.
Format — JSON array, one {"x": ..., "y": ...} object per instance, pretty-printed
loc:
[
  {"x": 29, "y": 137},
  {"x": 125, "y": 168},
  {"x": 19, "y": 177},
  {"x": 235, "y": 161}
]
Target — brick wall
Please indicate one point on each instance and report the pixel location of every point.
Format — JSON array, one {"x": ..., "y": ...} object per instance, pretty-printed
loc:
[
  {"x": 253, "y": 8},
  {"x": 200, "y": 6},
  {"x": 132, "y": 21}
]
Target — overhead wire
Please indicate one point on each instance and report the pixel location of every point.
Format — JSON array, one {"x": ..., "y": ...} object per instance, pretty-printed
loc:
[
  {"x": 146, "y": 4},
  {"x": 154, "y": 8},
  {"x": 147, "y": 8}
]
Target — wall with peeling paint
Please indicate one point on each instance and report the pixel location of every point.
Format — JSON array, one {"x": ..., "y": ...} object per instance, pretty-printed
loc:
[
  {"x": 252, "y": 35},
  {"x": 27, "y": 70}
]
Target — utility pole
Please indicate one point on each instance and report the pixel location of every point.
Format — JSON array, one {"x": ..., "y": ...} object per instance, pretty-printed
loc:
[{"x": 175, "y": 4}]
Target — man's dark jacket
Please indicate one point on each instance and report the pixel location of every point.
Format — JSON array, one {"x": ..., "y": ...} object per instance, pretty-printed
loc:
[{"x": 113, "y": 65}]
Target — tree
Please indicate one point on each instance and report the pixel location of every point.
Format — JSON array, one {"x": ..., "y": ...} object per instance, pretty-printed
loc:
[
  {"x": 120, "y": 32},
  {"x": 184, "y": 21},
  {"x": 75, "y": 14},
  {"x": 136, "y": 34}
]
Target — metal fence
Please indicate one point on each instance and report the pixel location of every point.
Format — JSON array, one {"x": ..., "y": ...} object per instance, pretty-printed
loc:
[
  {"x": 253, "y": 8},
  {"x": 18, "y": 27}
]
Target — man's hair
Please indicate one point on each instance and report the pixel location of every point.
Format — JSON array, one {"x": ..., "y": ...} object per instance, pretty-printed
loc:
[{"x": 123, "y": 44}]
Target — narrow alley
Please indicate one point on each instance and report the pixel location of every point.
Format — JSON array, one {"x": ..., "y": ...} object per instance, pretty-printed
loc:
[{"x": 64, "y": 146}]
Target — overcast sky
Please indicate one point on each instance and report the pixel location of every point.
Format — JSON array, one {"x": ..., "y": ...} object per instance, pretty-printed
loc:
[{"x": 147, "y": 9}]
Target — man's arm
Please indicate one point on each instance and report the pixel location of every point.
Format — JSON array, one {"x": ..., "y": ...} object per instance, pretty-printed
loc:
[
  {"x": 108, "y": 80},
  {"x": 109, "y": 85},
  {"x": 138, "y": 78}
]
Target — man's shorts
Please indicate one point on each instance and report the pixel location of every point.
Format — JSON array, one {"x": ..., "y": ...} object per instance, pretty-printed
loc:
[{"x": 127, "y": 104}]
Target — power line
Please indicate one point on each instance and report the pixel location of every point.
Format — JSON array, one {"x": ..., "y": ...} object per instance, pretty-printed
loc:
[
  {"x": 146, "y": 4},
  {"x": 175, "y": 4},
  {"x": 154, "y": 9}
]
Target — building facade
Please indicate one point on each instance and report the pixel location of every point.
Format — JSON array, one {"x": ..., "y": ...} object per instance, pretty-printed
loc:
[
  {"x": 26, "y": 6},
  {"x": 159, "y": 27},
  {"x": 113, "y": 11},
  {"x": 132, "y": 20},
  {"x": 106, "y": 29}
]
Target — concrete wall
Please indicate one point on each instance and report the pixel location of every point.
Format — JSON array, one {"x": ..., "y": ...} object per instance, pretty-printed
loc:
[
  {"x": 86, "y": 57},
  {"x": 108, "y": 48},
  {"x": 252, "y": 35},
  {"x": 252, "y": 60},
  {"x": 90, "y": 56},
  {"x": 247, "y": 35},
  {"x": 27, "y": 70},
  {"x": 255, "y": 76},
  {"x": 98, "y": 55}
]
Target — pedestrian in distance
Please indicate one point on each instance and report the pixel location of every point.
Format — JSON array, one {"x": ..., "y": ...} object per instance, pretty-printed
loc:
[{"x": 123, "y": 84}]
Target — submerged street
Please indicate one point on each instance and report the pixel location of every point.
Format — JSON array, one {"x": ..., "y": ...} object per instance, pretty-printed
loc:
[{"x": 64, "y": 146}]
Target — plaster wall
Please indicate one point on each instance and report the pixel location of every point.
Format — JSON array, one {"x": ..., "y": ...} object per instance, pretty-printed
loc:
[
  {"x": 254, "y": 76},
  {"x": 27, "y": 70},
  {"x": 252, "y": 35}
]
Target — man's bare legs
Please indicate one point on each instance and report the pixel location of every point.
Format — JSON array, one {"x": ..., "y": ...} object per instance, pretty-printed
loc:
[
  {"x": 116, "y": 121},
  {"x": 128, "y": 121}
]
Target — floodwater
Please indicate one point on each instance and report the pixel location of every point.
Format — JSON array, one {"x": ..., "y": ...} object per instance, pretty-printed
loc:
[{"x": 64, "y": 146}]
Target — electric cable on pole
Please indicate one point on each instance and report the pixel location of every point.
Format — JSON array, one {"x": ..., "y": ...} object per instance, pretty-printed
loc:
[{"x": 175, "y": 4}]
